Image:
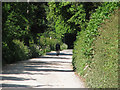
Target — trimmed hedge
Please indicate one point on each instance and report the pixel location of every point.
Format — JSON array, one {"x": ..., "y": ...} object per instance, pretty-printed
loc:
[{"x": 98, "y": 63}]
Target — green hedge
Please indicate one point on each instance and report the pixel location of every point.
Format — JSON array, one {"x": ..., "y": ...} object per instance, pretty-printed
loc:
[{"x": 98, "y": 65}]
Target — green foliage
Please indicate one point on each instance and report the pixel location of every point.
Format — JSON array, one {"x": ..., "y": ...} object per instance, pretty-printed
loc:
[
  {"x": 66, "y": 17},
  {"x": 105, "y": 62},
  {"x": 30, "y": 30},
  {"x": 69, "y": 17},
  {"x": 78, "y": 53},
  {"x": 21, "y": 23},
  {"x": 11, "y": 26},
  {"x": 34, "y": 24},
  {"x": 21, "y": 50},
  {"x": 63, "y": 46},
  {"x": 49, "y": 43},
  {"x": 18, "y": 51},
  {"x": 35, "y": 50},
  {"x": 6, "y": 53},
  {"x": 96, "y": 62}
]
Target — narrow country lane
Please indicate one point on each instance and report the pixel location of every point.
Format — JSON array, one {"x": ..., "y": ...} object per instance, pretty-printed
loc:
[{"x": 49, "y": 71}]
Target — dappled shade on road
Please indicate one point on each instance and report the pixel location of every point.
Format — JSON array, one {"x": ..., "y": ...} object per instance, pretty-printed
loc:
[
  {"x": 45, "y": 71},
  {"x": 13, "y": 78},
  {"x": 49, "y": 70},
  {"x": 50, "y": 57},
  {"x": 14, "y": 85},
  {"x": 59, "y": 54}
]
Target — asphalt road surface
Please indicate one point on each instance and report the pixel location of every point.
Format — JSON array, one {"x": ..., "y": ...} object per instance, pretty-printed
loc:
[{"x": 48, "y": 71}]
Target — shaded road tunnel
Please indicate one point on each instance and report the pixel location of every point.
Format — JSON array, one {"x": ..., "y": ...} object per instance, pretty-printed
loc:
[{"x": 69, "y": 39}]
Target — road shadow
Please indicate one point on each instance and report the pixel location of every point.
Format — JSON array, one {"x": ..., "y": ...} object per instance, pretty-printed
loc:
[
  {"x": 33, "y": 65},
  {"x": 14, "y": 78},
  {"x": 7, "y": 86},
  {"x": 14, "y": 85},
  {"x": 19, "y": 69},
  {"x": 54, "y": 54},
  {"x": 50, "y": 57},
  {"x": 48, "y": 70},
  {"x": 37, "y": 67},
  {"x": 44, "y": 65},
  {"x": 40, "y": 66}
]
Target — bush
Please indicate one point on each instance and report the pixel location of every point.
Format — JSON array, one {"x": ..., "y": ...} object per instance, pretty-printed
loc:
[
  {"x": 21, "y": 50},
  {"x": 7, "y": 53},
  {"x": 35, "y": 50},
  {"x": 14, "y": 51},
  {"x": 49, "y": 44},
  {"x": 63, "y": 46}
]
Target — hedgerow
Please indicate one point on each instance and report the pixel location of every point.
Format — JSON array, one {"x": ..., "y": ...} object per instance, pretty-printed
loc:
[{"x": 84, "y": 60}]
